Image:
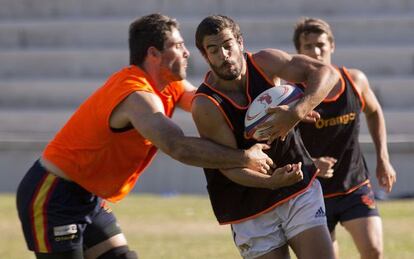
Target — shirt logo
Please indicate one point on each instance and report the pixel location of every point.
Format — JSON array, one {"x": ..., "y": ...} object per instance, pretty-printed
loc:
[{"x": 342, "y": 119}]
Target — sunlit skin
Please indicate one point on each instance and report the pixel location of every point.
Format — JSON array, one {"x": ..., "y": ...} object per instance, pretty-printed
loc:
[
  {"x": 174, "y": 58},
  {"x": 317, "y": 46},
  {"x": 224, "y": 53}
]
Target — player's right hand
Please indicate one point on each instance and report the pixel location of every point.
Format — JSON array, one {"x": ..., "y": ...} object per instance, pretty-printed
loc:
[
  {"x": 325, "y": 165},
  {"x": 286, "y": 176},
  {"x": 257, "y": 160}
]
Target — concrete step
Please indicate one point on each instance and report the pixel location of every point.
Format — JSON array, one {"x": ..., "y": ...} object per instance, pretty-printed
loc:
[
  {"x": 46, "y": 93},
  {"x": 70, "y": 63},
  {"x": 37, "y": 125},
  {"x": 113, "y": 32},
  {"x": 101, "y": 62},
  {"x": 392, "y": 92},
  {"x": 23, "y": 9},
  {"x": 397, "y": 93},
  {"x": 42, "y": 124},
  {"x": 398, "y": 122}
]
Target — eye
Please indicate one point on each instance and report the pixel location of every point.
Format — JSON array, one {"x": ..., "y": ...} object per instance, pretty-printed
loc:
[
  {"x": 179, "y": 45},
  {"x": 228, "y": 45},
  {"x": 307, "y": 46},
  {"x": 212, "y": 50}
]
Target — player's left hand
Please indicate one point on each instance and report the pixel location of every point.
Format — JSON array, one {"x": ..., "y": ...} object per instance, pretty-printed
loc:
[
  {"x": 386, "y": 175},
  {"x": 312, "y": 117},
  {"x": 325, "y": 165}
]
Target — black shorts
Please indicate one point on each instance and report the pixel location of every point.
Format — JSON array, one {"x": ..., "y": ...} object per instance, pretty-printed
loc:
[
  {"x": 60, "y": 216},
  {"x": 357, "y": 204}
]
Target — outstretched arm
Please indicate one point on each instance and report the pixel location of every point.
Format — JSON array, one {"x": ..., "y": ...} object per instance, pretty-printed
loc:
[
  {"x": 145, "y": 112},
  {"x": 376, "y": 124}
]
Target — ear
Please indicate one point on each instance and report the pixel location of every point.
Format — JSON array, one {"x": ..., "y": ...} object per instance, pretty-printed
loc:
[
  {"x": 204, "y": 55},
  {"x": 332, "y": 47},
  {"x": 153, "y": 53},
  {"x": 240, "y": 41}
]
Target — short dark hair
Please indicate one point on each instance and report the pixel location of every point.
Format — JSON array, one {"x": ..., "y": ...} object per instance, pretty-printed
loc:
[
  {"x": 213, "y": 25},
  {"x": 308, "y": 25},
  {"x": 147, "y": 31}
]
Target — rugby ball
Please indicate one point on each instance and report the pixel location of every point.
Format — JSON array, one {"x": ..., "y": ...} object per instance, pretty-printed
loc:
[{"x": 256, "y": 113}]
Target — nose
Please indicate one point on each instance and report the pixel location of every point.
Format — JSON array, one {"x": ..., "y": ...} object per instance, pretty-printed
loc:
[
  {"x": 224, "y": 53},
  {"x": 316, "y": 51},
  {"x": 186, "y": 52}
]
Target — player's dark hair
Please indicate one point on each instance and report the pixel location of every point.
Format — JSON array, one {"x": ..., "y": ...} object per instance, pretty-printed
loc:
[
  {"x": 311, "y": 25},
  {"x": 148, "y": 31},
  {"x": 213, "y": 25}
]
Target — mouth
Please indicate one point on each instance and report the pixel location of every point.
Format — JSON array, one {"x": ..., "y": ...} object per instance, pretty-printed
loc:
[{"x": 228, "y": 65}]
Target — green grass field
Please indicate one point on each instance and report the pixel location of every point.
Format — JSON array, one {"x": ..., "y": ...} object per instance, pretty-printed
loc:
[{"x": 183, "y": 227}]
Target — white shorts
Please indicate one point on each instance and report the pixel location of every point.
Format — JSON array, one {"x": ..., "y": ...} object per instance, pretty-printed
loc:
[{"x": 273, "y": 229}]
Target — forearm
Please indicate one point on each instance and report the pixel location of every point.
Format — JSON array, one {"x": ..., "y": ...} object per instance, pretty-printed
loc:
[
  {"x": 319, "y": 84},
  {"x": 247, "y": 177},
  {"x": 377, "y": 130},
  {"x": 204, "y": 153}
]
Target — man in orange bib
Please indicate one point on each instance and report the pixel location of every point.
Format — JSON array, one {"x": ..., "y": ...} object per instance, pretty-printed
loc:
[{"x": 109, "y": 141}]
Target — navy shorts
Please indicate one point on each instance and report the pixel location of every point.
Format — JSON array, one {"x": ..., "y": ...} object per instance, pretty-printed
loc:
[
  {"x": 60, "y": 216},
  {"x": 357, "y": 204}
]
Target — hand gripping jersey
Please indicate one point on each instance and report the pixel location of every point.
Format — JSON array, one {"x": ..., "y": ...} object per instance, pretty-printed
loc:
[
  {"x": 336, "y": 135},
  {"x": 101, "y": 160},
  {"x": 233, "y": 203}
]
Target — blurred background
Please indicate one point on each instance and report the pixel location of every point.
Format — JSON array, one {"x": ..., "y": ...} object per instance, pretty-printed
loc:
[{"x": 54, "y": 53}]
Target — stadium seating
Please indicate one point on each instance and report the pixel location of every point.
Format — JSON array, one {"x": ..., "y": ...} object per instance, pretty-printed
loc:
[{"x": 55, "y": 52}]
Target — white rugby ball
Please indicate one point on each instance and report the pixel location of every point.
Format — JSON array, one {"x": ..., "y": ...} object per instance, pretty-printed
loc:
[{"x": 256, "y": 113}]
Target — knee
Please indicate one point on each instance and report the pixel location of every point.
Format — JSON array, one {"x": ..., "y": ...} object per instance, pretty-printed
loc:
[
  {"x": 120, "y": 252},
  {"x": 373, "y": 252}
]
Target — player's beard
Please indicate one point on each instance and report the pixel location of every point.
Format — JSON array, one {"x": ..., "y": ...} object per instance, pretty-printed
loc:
[{"x": 228, "y": 74}]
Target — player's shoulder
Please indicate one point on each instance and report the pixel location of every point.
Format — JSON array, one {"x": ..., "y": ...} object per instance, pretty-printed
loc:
[
  {"x": 206, "y": 112},
  {"x": 356, "y": 74},
  {"x": 268, "y": 55},
  {"x": 204, "y": 100},
  {"x": 359, "y": 78}
]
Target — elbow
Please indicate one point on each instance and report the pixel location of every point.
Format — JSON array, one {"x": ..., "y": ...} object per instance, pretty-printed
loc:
[{"x": 329, "y": 78}]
